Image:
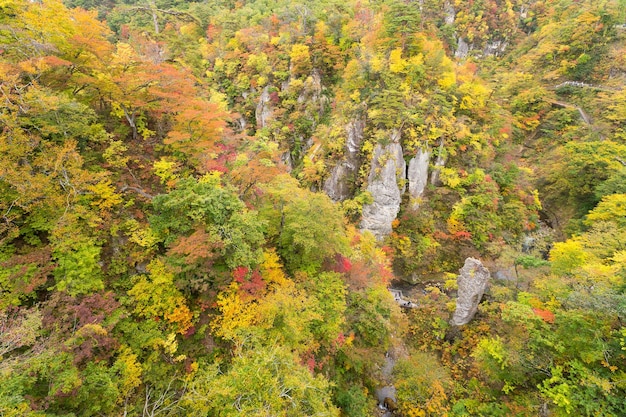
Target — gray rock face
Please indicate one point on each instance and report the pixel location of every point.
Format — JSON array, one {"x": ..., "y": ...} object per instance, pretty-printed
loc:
[
  {"x": 472, "y": 282},
  {"x": 495, "y": 48},
  {"x": 507, "y": 274},
  {"x": 240, "y": 124},
  {"x": 450, "y": 13},
  {"x": 339, "y": 184},
  {"x": 263, "y": 109},
  {"x": 287, "y": 160},
  {"x": 355, "y": 137},
  {"x": 388, "y": 168},
  {"x": 523, "y": 11},
  {"x": 417, "y": 174},
  {"x": 462, "y": 49},
  {"x": 312, "y": 92},
  {"x": 439, "y": 162}
]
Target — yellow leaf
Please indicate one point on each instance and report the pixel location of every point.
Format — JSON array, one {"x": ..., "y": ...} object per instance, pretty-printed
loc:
[{"x": 396, "y": 62}]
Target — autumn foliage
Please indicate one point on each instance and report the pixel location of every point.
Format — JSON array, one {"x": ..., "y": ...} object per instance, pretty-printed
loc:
[{"x": 168, "y": 245}]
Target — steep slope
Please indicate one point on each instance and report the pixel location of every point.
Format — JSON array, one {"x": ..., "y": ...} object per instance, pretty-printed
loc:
[{"x": 204, "y": 204}]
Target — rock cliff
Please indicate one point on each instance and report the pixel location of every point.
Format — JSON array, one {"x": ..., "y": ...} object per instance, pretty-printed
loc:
[
  {"x": 263, "y": 109},
  {"x": 339, "y": 185},
  {"x": 387, "y": 171},
  {"x": 417, "y": 174},
  {"x": 439, "y": 163}
]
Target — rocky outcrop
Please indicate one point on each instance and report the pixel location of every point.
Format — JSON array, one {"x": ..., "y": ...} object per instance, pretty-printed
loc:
[
  {"x": 472, "y": 282},
  {"x": 523, "y": 11},
  {"x": 339, "y": 185},
  {"x": 287, "y": 160},
  {"x": 388, "y": 169},
  {"x": 240, "y": 124},
  {"x": 263, "y": 109},
  {"x": 312, "y": 93},
  {"x": 449, "y": 13},
  {"x": 439, "y": 163},
  {"x": 312, "y": 103},
  {"x": 495, "y": 48},
  {"x": 462, "y": 49},
  {"x": 417, "y": 174}
]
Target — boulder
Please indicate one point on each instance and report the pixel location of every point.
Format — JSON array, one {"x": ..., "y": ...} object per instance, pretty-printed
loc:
[
  {"x": 390, "y": 404},
  {"x": 413, "y": 279},
  {"x": 472, "y": 282}
]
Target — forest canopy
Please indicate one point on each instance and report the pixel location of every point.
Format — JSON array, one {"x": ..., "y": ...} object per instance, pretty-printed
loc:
[{"x": 203, "y": 206}]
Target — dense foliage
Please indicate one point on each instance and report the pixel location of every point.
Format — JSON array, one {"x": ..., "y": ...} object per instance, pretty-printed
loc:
[{"x": 166, "y": 248}]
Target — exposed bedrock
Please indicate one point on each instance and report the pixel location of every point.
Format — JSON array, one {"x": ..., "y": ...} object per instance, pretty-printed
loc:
[
  {"x": 440, "y": 162},
  {"x": 472, "y": 282},
  {"x": 264, "y": 109},
  {"x": 387, "y": 171},
  {"x": 340, "y": 184},
  {"x": 417, "y": 174}
]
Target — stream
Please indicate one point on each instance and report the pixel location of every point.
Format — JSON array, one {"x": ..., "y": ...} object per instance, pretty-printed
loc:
[
  {"x": 387, "y": 391},
  {"x": 386, "y": 394}
]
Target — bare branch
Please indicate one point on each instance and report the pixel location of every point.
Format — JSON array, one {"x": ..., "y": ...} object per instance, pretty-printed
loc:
[{"x": 137, "y": 190}]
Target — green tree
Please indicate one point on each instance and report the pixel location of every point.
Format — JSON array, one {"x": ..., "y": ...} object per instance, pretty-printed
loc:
[
  {"x": 307, "y": 227},
  {"x": 422, "y": 385},
  {"x": 261, "y": 381},
  {"x": 234, "y": 233},
  {"x": 330, "y": 294},
  {"x": 581, "y": 168}
]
